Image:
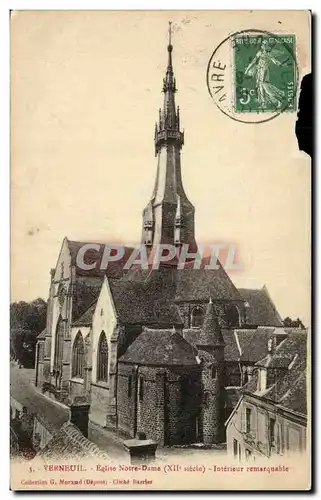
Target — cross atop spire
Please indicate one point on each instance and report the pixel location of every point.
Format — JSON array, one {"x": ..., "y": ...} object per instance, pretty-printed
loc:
[
  {"x": 169, "y": 33},
  {"x": 169, "y": 83},
  {"x": 168, "y": 126}
]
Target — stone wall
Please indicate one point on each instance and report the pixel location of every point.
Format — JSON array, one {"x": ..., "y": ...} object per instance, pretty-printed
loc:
[
  {"x": 99, "y": 395},
  {"x": 77, "y": 388},
  {"x": 163, "y": 412},
  {"x": 41, "y": 435},
  {"x": 126, "y": 402}
]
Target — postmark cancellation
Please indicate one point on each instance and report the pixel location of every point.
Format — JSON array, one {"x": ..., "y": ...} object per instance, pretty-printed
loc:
[{"x": 252, "y": 75}]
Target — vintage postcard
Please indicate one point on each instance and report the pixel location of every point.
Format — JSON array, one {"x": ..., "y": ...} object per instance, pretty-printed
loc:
[{"x": 160, "y": 223}]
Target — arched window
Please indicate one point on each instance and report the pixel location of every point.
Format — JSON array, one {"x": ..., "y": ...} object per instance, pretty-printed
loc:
[
  {"x": 78, "y": 357},
  {"x": 214, "y": 371},
  {"x": 197, "y": 317},
  {"x": 59, "y": 344},
  {"x": 232, "y": 316},
  {"x": 102, "y": 361}
]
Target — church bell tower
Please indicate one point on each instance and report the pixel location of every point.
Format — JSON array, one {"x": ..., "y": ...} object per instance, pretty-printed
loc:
[
  {"x": 169, "y": 216},
  {"x": 210, "y": 347}
]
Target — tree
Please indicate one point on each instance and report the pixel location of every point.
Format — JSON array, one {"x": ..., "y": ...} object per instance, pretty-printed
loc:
[
  {"x": 27, "y": 320},
  {"x": 290, "y": 323}
]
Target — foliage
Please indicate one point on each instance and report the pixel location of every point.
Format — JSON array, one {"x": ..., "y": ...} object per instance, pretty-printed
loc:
[
  {"x": 27, "y": 320},
  {"x": 290, "y": 323}
]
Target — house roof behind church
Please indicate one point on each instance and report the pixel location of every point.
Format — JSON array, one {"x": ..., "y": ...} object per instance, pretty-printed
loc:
[
  {"x": 295, "y": 398},
  {"x": 289, "y": 375},
  {"x": 245, "y": 345},
  {"x": 260, "y": 310},
  {"x": 294, "y": 345},
  {"x": 254, "y": 343},
  {"x": 160, "y": 348}
]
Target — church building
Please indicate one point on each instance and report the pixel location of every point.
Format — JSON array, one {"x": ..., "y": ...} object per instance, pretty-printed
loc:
[{"x": 152, "y": 351}]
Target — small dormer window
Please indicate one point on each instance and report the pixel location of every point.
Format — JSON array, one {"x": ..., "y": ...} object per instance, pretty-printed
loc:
[
  {"x": 232, "y": 316},
  {"x": 213, "y": 371},
  {"x": 197, "y": 317}
]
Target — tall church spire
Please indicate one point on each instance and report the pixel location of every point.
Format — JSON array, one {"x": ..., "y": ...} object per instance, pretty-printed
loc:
[
  {"x": 169, "y": 216},
  {"x": 168, "y": 126}
]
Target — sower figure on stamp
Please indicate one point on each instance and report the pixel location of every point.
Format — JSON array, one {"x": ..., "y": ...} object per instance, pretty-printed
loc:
[{"x": 259, "y": 67}]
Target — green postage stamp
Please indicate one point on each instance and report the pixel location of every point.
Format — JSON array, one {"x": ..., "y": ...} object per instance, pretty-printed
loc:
[{"x": 264, "y": 73}]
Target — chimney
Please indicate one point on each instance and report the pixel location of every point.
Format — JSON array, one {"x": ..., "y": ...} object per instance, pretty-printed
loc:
[{"x": 79, "y": 414}]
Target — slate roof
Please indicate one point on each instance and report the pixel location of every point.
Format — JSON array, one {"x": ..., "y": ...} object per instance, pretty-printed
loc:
[
  {"x": 85, "y": 292},
  {"x": 254, "y": 343},
  {"x": 261, "y": 311},
  {"x": 296, "y": 398},
  {"x": 192, "y": 284},
  {"x": 114, "y": 269},
  {"x": 87, "y": 318},
  {"x": 146, "y": 299},
  {"x": 42, "y": 335},
  {"x": 287, "y": 369},
  {"x": 69, "y": 443},
  {"x": 231, "y": 352},
  {"x": 160, "y": 347},
  {"x": 149, "y": 296},
  {"x": 290, "y": 390},
  {"x": 201, "y": 284},
  {"x": 294, "y": 345},
  {"x": 211, "y": 333}
]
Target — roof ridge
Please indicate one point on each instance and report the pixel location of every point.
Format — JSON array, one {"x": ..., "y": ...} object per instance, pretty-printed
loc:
[{"x": 238, "y": 342}]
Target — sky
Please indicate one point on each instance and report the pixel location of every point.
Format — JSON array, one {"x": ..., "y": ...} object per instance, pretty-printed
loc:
[{"x": 85, "y": 92}]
